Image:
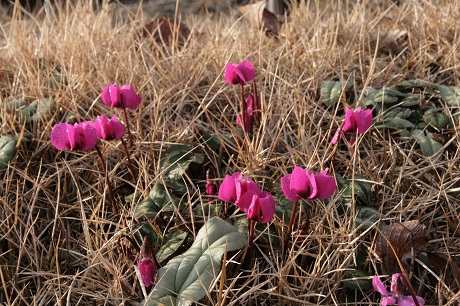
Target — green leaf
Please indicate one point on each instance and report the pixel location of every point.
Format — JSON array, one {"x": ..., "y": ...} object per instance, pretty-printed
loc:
[
  {"x": 428, "y": 145},
  {"x": 158, "y": 200},
  {"x": 187, "y": 277},
  {"x": 356, "y": 279},
  {"x": 331, "y": 91},
  {"x": 362, "y": 189},
  {"x": 436, "y": 119},
  {"x": 7, "y": 150},
  {"x": 212, "y": 141},
  {"x": 388, "y": 95},
  {"x": 175, "y": 162},
  {"x": 408, "y": 84},
  {"x": 34, "y": 111},
  {"x": 450, "y": 95},
  {"x": 398, "y": 112},
  {"x": 411, "y": 100},
  {"x": 140, "y": 230},
  {"x": 174, "y": 241},
  {"x": 283, "y": 209},
  {"x": 398, "y": 123},
  {"x": 367, "y": 217}
]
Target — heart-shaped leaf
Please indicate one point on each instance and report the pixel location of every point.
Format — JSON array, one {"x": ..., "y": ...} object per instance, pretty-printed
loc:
[
  {"x": 361, "y": 188},
  {"x": 388, "y": 95},
  {"x": 331, "y": 91},
  {"x": 32, "y": 112},
  {"x": 175, "y": 162},
  {"x": 408, "y": 84},
  {"x": 411, "y": 100},
  {"x": 436, "y": 119},
  {"x": 174, "y": 241},
  {"x": 367, "y": 217},
  {"x": 186, "y": 278},
  {"x": 356, "y": 279},
  {"x": 159, "y": 200},
  {"x": 450, "y": 95},
  {"x": 7, "y": 150},
  {"x": 428, "y": 145}
]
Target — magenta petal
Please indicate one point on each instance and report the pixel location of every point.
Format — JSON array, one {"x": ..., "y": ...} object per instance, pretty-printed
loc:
[
  {"x": 227, "y": 190},
  {"x": 337, "y": 136},
  {"x": 230, "y": 75},
  {"x": 363, "y": 119},
  {"x": 129, "y": 97},
  {"x": 326, "y": 185},
  {"x": 350, "y": 125},
  {"x": 300, "y": 182},
  {"x": 409, "y": 301},
  {"x": 388, "y": 300},
  {"x": 267, "y": 206},
  {"x": 111, "y": 96},
  {"x": 243, "y": 187},
  {"x": 245, "y": 71},
  {"x": 60, "y": 136},
  {"x": 147, "y": 268},
  {"x": 118, "y": 128},
  {"x": 286, "y": 188},
  {"x": 247, "y": 201},
  {"x": 86, "y": 136},
  {"x": 313, "y": 188},
  {"x": 379, "y": 286}
]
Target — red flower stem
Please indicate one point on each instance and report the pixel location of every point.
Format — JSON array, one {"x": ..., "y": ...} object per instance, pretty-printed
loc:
[
  {"x": 256, "y": 107},
  {"x": 290, "y": 226},
  {"x": 409, "y": 286},
  {"x": 109, "y": 186},
  {"x": 127, "y": 127},
  {"x": 130, "y": 165},
  {"x": 336, "y": 145},
  {"x": 243, "y": 110},
  {"x": 251, "y": 225}
]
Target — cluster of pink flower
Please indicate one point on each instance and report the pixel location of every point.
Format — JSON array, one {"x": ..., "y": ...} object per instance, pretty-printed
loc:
[
  {"x": 396, "y": 292},
  {"x": 241, "y": 74},
  {"x": 84, "y": 136}
]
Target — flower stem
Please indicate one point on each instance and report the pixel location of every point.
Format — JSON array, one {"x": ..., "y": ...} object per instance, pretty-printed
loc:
[
  {"x": 127, "y": 127},
  {"x": 290, "y": 226},
  {"x": 109, "y": 186},
  {"x": 130, "y": 165},
  {"x": 243, "y": 110},
  {"x": 251, "y": 225}
]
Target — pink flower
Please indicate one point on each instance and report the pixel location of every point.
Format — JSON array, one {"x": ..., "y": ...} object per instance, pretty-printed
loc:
[
  {"x": 147, "y": 265},
  {"x": 356, "y": 122},
  {"x": 239, "y": 73},
  {"x": 80, "y": 136},
  {"x": 109, "y": 129},
  {"x": 233, "y": 187},
  {"x": 395, "y": 296},
  {"x": 259, "y": 206},
  {"x": 303, "y": 184},
  {"x": 126, "y": 96},
  {"x": 248, "y": 116}
]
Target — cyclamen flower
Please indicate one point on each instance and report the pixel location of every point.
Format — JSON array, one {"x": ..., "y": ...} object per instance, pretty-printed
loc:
[
  {"x": 303, "y": 184},
  {"x": 233, "y": 187},
  {"x": 395, "y": 296},
  {"x": 109, "y": 129},
  {"x": 239, "y": 73},
  {"x": 147, "y": 265},
  {"x": 357, "y": 121},
  {"x": 124, "y": 97},
  {"x": 258, "y": 205},
  {"x": 80, "y": 136}
]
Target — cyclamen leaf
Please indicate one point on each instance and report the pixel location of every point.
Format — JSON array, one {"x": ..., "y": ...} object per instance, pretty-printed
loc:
[
  {"x": 331, "y": 91},
  {"x": 356, "y": 279},
  {"x": 174, "y": 241},
  {"x": 450, "y": 95},
  {"x": 428, "y": 145},
  {"x": 175, "y": 162},
  {"x": 7, "y": 150},
  {"x": 186, "y": 278},
  {"x": 33, "y": 111},
  {"x": 367, "y": 217},
  {"x": 408, "y": 84},
  {"x": 159, "y": 200},
  {"x": 388, "y": 95},
  {"x": 436, "y": 119}
]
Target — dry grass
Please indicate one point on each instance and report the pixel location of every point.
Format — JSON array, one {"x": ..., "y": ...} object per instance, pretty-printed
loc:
[{"x": 58, "y": 235}]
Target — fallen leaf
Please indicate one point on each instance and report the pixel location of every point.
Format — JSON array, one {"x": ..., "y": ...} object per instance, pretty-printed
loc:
[
  {"x": 166, "y": 31},
  {"x": 397, "y": 241},
  {"x": 260, "y": 17}
]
